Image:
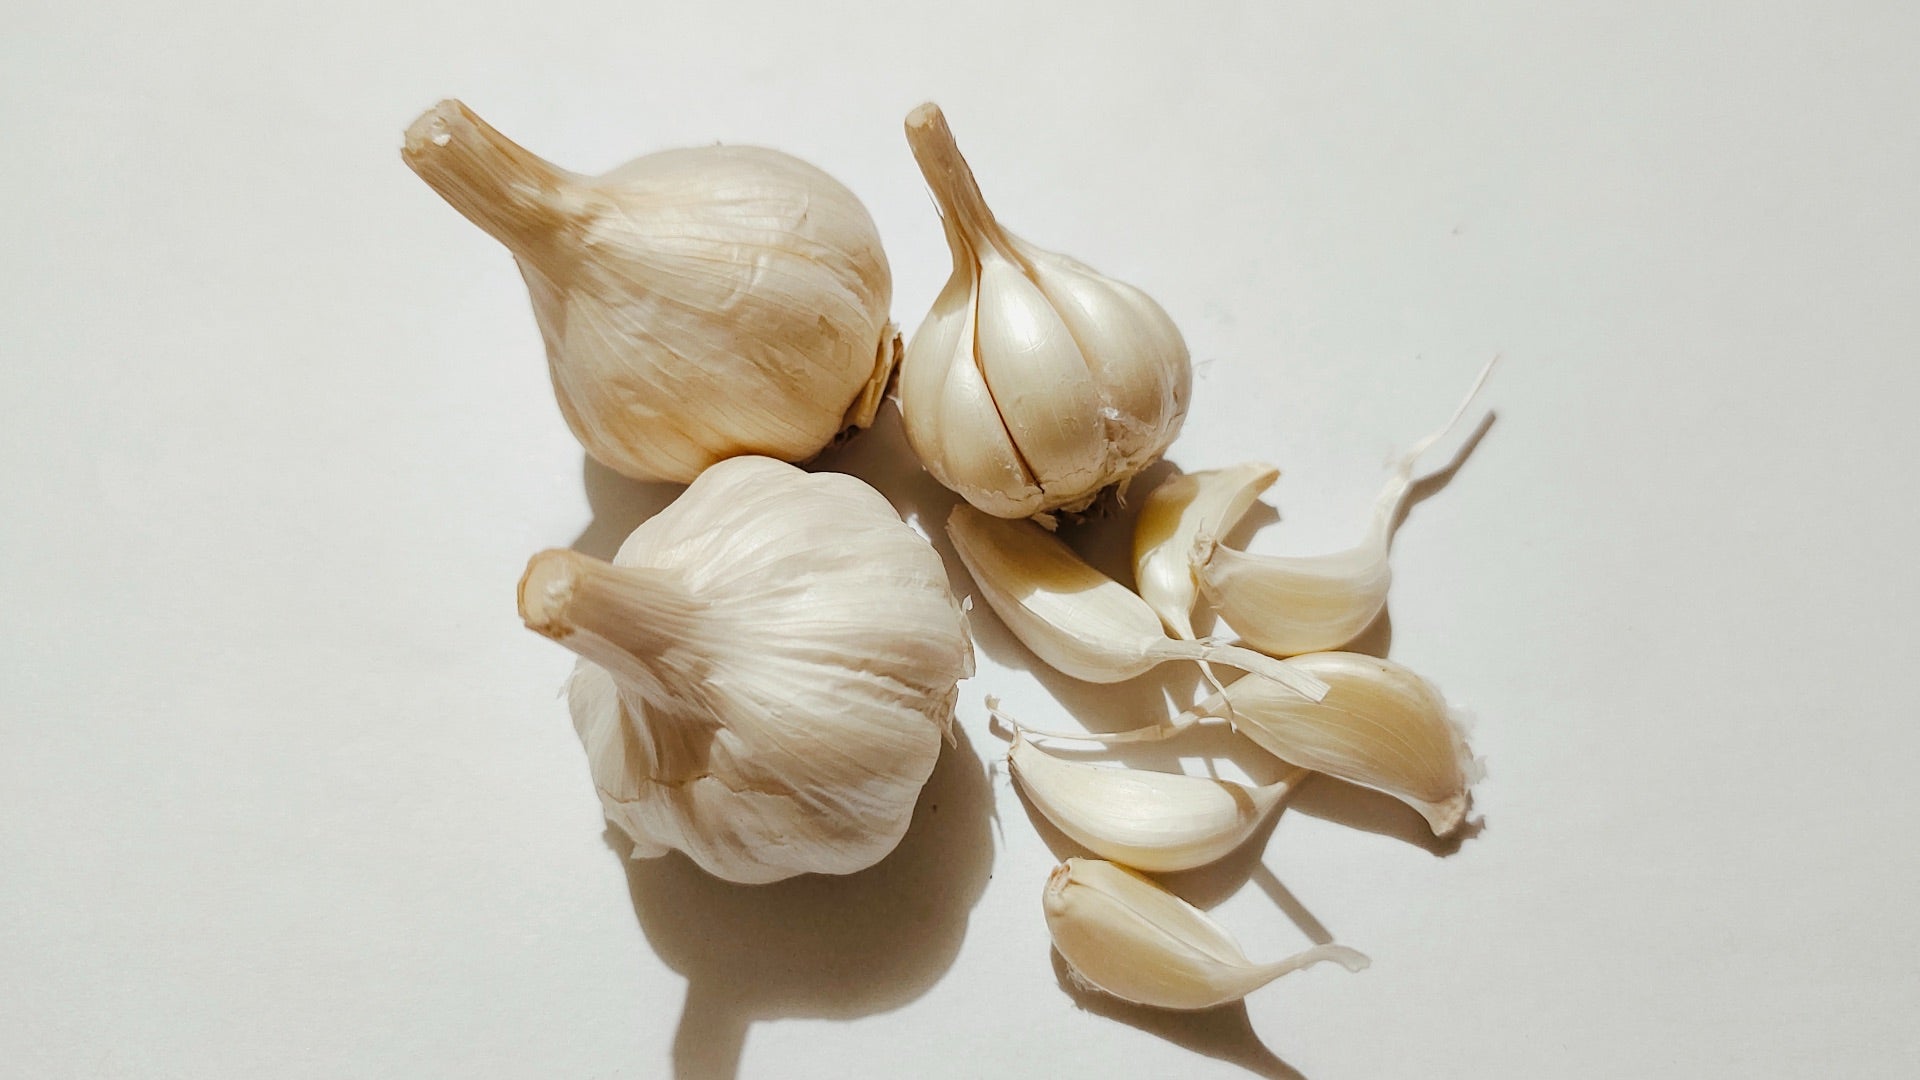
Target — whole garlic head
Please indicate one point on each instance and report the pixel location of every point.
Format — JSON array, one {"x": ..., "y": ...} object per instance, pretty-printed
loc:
[
  {"x": 696, "y": 304},
  {"x": 1034, "y": 383},
  {"x": 767, "y": 669}
]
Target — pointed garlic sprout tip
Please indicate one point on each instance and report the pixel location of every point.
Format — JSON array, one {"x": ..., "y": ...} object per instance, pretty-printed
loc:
[{"x": 1288, "y": 604}]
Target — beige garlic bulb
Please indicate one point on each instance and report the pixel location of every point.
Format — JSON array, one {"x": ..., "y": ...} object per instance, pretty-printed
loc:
[
  {"x": 767, "y": 669},
  {"x": 696, "y": 304},
  {"x": 1125, "y": 935},
  {"x": 1034, "y": 383}
]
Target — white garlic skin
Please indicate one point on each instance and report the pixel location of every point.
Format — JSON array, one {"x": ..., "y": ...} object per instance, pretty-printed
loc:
[
  {"x": 1173, "y": 516},
  {"x": 1153, "y": 821},
  {"x": 1034, "y": 383},
  {"x": 768, "y": 668},
  {"x": 1380, "y": 726},
  {"x": 1127, "y": 936},
  {"x": 696, "y": 304}
]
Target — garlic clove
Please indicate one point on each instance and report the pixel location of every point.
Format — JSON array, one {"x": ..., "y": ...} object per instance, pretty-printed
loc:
[
  {"x": 1172, "y": 518},
  {"x": 1152, "y": 821},
  {"x": 1075, "y": 618},
  {"x": 767, "y": 670},
  {"x": 695, "y": 304},
  {"x": 1284, "y": 605},
  {"x": 1088, "y": 377},
  {"x": 1380, "y": 726},
  {"x": 1123, "y": 934}
]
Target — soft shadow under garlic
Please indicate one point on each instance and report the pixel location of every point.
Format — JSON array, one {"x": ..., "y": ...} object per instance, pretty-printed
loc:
[
  {"x": 1376, "y": 812},
  {"x": 814, "y": 946},
  {"x": 1225, "y": 1033},
  {"x": 618, "y": 505}
]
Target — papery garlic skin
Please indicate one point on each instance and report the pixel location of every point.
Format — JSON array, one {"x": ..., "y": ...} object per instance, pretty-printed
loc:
[
  {"x": 1153, "y": 821},
  {"x": 1035, "y": 382},
  {"x": 1174, "y": 515},
  {"x": 696, "y": 304},
  {"x": 1380, "y": 726},
  {"x": 767, "y": 669},
  {"x": 1287, "y": 604},
  {"x": 1127, "y": 936},
  {"x": 1078, "y": 620}
]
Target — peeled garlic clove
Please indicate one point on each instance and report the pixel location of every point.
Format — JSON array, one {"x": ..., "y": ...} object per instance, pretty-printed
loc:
[
  {"x": 1153, "y": 821},
  {"x": 1283, "y": 604},
  {"x": 1123, "y": 934},
  {"x": 1086, "y": 380},
  {"x": 696, "y": 304},
  {"x": 1074, "y": 617},
  {"x": 1380, "y": 726},
  {"x": 1173, "y": 517},
  {"x": 767, "y": 669}
]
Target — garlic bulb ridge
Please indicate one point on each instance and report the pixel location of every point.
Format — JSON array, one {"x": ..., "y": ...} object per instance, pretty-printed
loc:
[
  {"x": 696, "y": 304},
  {"x": 1035, "y": 382},
  {"x": 767, "y": 669}
]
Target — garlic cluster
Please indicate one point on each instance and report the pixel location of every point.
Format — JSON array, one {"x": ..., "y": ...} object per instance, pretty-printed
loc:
[
  {"x": 767, "y": 669},
  {"x": 696, "y": 304},
  {"x": 1035, "y": 382},
  {"x": 1125, "y": 935}
]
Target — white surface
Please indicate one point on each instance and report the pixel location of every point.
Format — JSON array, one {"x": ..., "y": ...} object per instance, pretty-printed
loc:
[{"x": 285, "y": 789}]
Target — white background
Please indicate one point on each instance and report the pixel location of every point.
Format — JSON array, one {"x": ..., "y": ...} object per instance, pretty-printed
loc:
[{"x": 286, "y": 790}]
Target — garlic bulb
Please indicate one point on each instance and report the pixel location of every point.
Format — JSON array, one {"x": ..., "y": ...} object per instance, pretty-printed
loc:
[
  {"x": 1123, "y": 934},
  {"x": 1077, "y": 619},
  {"x": 1380, "y": 726},
  {"x": 767, "y": 668},
  {"x": 1174, "y": 515},
  {"x": 1034, "y": 382},
  {"x": 1153, "y": 821},
  {"x": 1295, "y": 604},
  {"x": 696, "y": 304}
]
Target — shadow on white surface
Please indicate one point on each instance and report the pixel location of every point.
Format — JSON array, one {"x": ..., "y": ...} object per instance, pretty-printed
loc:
[
  {"x": 1225, "y": 1033},
  {"x": 618, "y": 505},
  {"x": 816, "y": 946}
]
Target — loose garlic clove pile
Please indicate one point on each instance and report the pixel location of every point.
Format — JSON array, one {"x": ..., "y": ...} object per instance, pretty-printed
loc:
[
  {"x": 1035, "y": 382},
  {"x": 1284, "y": 605},
  {"x": 1077, "y": 619},
  {"x": 1176, "y": 514},
  {"x": 1152, "y": 821},
  {"x": 767, "y": 669},
  {"x": 696, "y": 304},
  {"x": 1120, "y": 933}
]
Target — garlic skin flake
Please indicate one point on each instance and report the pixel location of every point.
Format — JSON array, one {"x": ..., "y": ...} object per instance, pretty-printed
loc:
[
  {"x": 1153, "y": 821},
  {"x": 696, "y": 304},
  {"x": 767, "y": 669},
  {"x": 1127, "y": 936},
  {"x": 1284, "y": 605},
  {"x": 1077, "y": 619},
  {"x": 1380, "y": 726},
  {"x": 1173, "y": 516},
  {"x": 1034, "y": 383}
]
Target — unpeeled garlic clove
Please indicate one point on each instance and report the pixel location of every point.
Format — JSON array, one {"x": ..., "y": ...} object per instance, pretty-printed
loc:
[
  {"x": 1077, "y": 619},
  {"x": 1127, "y": 936},
  {"x": 1380, "y": 726},
  {"x": 1035, "y": 382},
  {"x": 696, "y": 304},
  {"x": 1295, "y": 604},
  {"x": 1153, "y": 821},
  {"x": 1172, "y": 517}
]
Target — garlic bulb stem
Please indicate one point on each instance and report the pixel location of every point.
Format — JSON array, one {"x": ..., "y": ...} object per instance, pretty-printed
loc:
[
  {"x": 611, "y": 616},
  {"x": 951, "y": 180},
  {"x": 516, "y": 196}
]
